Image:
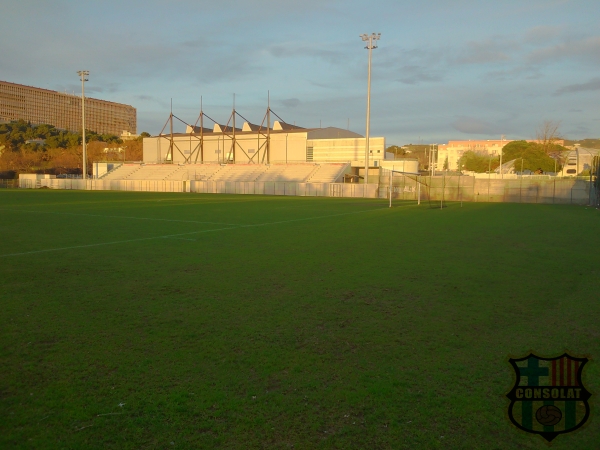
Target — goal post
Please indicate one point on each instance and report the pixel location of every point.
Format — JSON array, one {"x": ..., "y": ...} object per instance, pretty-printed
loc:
[{"x": 401, "y": 185}]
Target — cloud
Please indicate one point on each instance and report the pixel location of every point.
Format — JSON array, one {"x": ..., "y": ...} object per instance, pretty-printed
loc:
[
  {"x": 290, "y": 102},
  {"x": 542, "y": 34},
  {"x": 592, "y": 85},
  {"x": 579, "y": 131},
  {"x": 89, "y": 89},
  {"x": 412, "y": 66},
  {"x": 418, "y": 74},
  {"x": 304, "y": 50},
  {"x": 484, "y": 52},
  {"x": 331, "y": 85},
  {"x": 587, "y": 49},
  {"x": 471, "y": 125},
  {"x": 529, "y": 72}
]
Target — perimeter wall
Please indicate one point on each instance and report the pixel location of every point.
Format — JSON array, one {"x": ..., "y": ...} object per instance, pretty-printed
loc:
[
  {"x": 210, "y": 187},
  {"x": 578, "y": 191}
]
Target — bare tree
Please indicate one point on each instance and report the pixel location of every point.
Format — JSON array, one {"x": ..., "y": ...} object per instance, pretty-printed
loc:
[{"x": 547, "y": 134}]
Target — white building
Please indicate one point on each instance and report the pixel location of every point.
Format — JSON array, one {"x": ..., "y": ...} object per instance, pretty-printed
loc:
[{"x": 251, "y": 144}]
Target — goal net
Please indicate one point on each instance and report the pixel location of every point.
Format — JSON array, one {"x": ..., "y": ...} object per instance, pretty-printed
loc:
[{"x": 405, "y": 187}]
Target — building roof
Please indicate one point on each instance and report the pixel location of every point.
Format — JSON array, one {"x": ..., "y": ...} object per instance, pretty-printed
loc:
[
  {"x": 195, "y": 129},
  {"x": 331, "y": 133},
  {"x": 249, "y": 128},
  {"x": 280, "y": 125},
  {"x": 218, "y": 128}
]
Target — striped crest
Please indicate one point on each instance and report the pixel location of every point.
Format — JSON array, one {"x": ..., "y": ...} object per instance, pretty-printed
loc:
[{"x": 548, "y": 397}]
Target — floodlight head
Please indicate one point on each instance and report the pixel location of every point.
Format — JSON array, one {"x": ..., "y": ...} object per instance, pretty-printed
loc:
[{"x": 364, "y": 37}]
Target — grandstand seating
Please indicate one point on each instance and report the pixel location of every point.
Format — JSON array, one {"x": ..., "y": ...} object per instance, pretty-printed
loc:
[
  {"x": 293, "y": 172},
  {"x": 194, "y": 172},
  {"x": 238, "y": 172},
  {"x": 326, "y": 173},
  {"x": 121, "y": 172},
  {"x": 153, "y": 172},
  {"x": 296, "y": 173}
]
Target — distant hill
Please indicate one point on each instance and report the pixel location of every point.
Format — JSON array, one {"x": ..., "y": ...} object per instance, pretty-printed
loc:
[{"x": 587, "y": 143}]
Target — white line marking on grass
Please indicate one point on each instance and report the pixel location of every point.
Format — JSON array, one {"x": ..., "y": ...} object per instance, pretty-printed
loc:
[
  {"x": 309, "y": 218},
  {"x": 168, "y": 236},
  {"x": 115, "y": 217},
  {"x": 113, "y": 242}
]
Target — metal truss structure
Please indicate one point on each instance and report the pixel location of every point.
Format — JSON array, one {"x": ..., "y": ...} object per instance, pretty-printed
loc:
[{"x": 228, "y": 133}]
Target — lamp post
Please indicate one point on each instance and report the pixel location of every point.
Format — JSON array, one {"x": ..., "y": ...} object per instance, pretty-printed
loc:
[
  {"x": 371, "y": 44},
  {"x": 83, "y": 74},
  {"x": 501, "y": 152}
]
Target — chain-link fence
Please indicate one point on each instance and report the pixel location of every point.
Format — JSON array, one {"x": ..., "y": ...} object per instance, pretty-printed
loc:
[
  {"x": 526, "y": 189},
  {"x": 9, "y": 184}
]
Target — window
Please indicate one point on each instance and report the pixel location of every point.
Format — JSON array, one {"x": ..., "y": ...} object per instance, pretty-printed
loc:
[{"x": 309, "y": 153}]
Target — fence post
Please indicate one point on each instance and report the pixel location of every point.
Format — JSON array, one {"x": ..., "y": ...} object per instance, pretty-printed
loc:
[
  {"x": 590, "y": 194},
  {"x": 521, "y": 189},
  {"x": 443, "y": 189},
  {"x": 459, "y": 191}
]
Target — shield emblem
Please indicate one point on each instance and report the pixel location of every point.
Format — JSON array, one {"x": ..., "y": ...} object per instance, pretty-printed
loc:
[{"x": 548, "y": 397}]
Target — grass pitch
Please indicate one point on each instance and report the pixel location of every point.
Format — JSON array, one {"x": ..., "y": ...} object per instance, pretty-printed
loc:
[{"x": 153, "y": 320}]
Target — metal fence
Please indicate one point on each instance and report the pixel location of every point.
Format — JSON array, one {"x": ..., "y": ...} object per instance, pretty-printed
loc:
[
  {"x": 9, "y": 184},
  {"x": 211, "y": 187},
  {"x": 286, "y": 188},
  {"x": 578, "y": 191}
]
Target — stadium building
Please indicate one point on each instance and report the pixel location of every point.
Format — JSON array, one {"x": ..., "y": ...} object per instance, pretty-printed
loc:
[
  {"x": 281, "y": 152},
  {"x": 63, "y": 110}
]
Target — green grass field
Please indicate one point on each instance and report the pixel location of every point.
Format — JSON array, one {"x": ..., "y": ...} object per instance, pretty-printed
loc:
[{"x": 155, "y": 321}]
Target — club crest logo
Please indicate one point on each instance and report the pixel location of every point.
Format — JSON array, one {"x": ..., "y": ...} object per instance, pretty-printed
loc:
[{"x": 548, "y": 397}]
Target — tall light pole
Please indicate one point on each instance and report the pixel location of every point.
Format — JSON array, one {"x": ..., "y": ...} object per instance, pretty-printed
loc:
[
  {"x": 371, "y": 44},
  {"x": 83, "y": 74}
]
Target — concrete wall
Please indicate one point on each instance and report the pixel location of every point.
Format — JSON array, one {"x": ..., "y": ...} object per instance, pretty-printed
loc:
[
  {"x": 282, "y": 188},
  {"x": 347, "y": 149},
  {"x": 215, "y": 187}
]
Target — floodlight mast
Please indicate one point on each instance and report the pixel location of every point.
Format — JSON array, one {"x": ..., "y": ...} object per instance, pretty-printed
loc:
[
  {"x": 371, "y": 44},
  {"x": 84, "y": 77}
]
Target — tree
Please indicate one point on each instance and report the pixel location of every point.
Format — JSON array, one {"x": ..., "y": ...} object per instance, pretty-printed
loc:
[
  {"x": 547, "y": 134},
  {"x": 397, "y": 151},
  {"x": 532, "y": 155},
  {"x": 478, "y": 162}
]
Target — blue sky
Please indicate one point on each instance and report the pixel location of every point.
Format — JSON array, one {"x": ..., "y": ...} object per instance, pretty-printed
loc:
[{"x": 455, "y": 69}]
